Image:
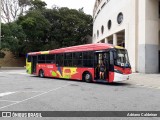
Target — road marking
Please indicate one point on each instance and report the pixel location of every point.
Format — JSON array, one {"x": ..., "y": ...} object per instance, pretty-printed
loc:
[
  {"x": 6, "y": 93},
  {"x": 35, "y": 96},
  {"x": 8, "y": 101},
  {"x": 31, "y": 91}
]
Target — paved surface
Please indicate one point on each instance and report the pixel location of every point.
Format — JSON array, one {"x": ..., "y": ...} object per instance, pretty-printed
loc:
[
  {"x": 145, "y": 80},
  {"x": 22, "y": 92}
]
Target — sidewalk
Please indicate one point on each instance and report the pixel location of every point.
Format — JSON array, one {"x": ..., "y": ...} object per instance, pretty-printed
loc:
[{"x": 147, "y": 80}]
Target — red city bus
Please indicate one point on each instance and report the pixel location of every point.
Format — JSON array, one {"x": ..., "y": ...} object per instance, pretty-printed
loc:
[{"x": 81, "y": 62}]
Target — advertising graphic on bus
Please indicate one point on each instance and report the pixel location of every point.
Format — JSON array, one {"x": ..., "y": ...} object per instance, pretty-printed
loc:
[{"x": 91, "y": 63}]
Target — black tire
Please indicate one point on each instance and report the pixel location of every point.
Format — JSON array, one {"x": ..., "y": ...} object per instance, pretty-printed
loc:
[
  {"x": 87, "y": 77},
  {"x": 41, "y": 73}
]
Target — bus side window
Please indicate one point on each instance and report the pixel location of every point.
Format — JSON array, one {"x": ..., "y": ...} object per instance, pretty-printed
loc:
[
  {"x": 68, "y": 59},
  {"x": 41, "y": 58},
  {"x": 68, "y": 63},
  {"x": 50, "y": 58},
  {"x": 88, "y": 59},
  {"x": 77, "y": 59},
  {"x": 29, "y": 58},
  {"x": 88, "y": 55},
  {"x": 59, "y": 59}
]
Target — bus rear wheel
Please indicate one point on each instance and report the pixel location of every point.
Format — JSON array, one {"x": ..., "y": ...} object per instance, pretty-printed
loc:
[
  {"x": 87, "y": 77},
  {"x": 41, "y": 73}
]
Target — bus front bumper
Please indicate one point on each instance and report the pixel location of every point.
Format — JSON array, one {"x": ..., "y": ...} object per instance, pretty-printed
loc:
[{"x": 120, "y": 77}]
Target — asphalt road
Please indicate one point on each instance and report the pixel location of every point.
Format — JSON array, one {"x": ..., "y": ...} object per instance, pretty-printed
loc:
[{"x": 22, "y": 92}]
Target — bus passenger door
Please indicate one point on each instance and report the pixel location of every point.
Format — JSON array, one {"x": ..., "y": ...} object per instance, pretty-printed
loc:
[
  {"x": 101, "y": 57},
  {"x": 34, "y": 63}
]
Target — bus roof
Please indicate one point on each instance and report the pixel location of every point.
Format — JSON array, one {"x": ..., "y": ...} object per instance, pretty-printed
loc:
[{"x": 79, "y": 48}]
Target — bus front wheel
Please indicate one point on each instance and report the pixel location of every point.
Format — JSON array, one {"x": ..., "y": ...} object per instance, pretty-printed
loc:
[
  {"x": 87, "y": 77},
  {"x": 41, "y": 73}
]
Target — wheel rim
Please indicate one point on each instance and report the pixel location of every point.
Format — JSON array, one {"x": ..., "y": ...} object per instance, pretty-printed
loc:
[
  {"x": 87, "y": 76},
  {"x": 41, "y": 74}
]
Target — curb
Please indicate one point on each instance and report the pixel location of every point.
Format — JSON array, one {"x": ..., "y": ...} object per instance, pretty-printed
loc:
[{"x": 12, "y": 68}]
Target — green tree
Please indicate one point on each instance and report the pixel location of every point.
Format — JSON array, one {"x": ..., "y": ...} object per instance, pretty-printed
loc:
[
  {"x": 36, "y": 28},
  {"x": 29, "y": 32},
  {"x": 13, "y": 38},
  {"x": 68, "y": 26},
  {"x": 44, "y": 29},
  {"x": 37, "y": 4},
  {"x": 53, "y": 28}
]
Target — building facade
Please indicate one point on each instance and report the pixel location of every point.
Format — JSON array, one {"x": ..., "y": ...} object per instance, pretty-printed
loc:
[{"x": 133, "y": 24}]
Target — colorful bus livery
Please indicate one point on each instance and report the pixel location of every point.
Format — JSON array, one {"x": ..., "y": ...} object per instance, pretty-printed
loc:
[{"x": 81, "y": 63}]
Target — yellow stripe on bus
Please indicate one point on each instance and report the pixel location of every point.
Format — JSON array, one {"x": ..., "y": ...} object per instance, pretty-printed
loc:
[
  {"x": 119, "y": 47},
  {"x": 45, "y": 52}
]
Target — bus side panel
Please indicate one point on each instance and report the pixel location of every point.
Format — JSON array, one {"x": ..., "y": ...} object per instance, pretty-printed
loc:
[
  {"x": 71, "y": 72},
  {"x": 51, "y": 70},
  {"x": 28, "y": 67},
  {"x": 47, "y": 68},
  {"x": 111, "y": 77}
]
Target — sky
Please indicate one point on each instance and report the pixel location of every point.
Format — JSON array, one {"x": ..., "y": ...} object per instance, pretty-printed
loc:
[{"x": 74, "y": 4}]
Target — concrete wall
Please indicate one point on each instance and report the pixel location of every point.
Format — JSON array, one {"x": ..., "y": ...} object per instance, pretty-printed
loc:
[
  {"x": 129, "y": 24},
  {"x": 141, "y": 26},
  {"x": 159, "y": 40},
  {"x": 148, "y": 36},
  {"x": 10, "y": 61},
  {"x": 110, "y": 13}
]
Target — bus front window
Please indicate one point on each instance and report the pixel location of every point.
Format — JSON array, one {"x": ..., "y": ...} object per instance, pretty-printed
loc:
[{"x": 122, "y": 58}]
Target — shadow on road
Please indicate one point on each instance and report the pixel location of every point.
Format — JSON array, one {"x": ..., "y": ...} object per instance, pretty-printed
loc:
[
  {"x": 114, "y": 84},
  {"x": 99, "y": 83}
]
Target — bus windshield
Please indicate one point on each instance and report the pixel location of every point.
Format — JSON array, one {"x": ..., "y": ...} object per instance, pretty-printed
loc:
[{"x": 122, "y": 58}]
